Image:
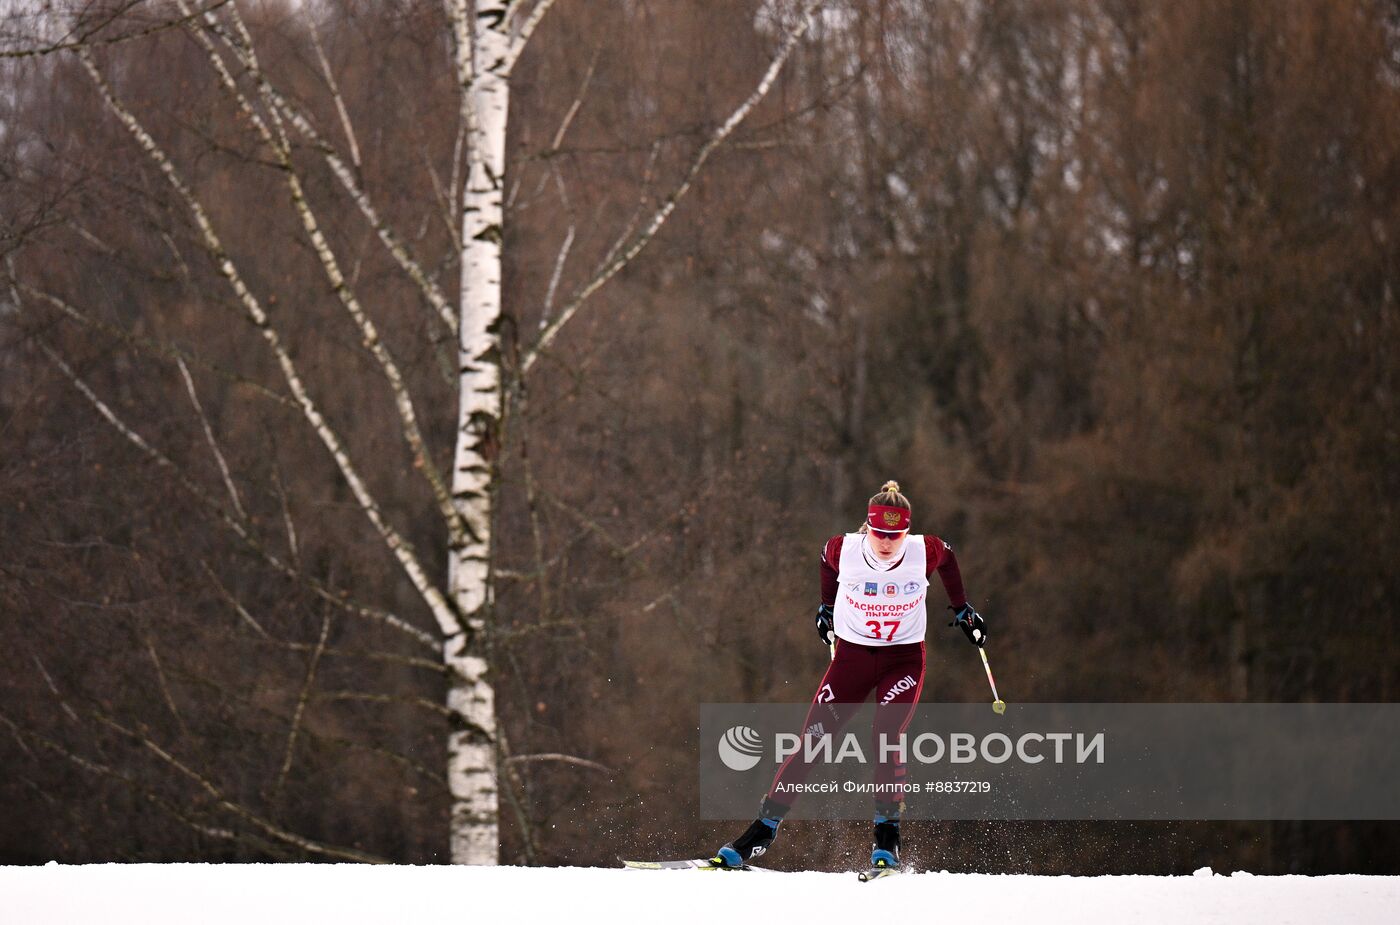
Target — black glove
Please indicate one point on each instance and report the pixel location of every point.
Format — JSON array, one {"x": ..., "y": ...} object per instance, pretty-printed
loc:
[
  {"x": 972, "y": 624},
  {"x": 826, "y": 619}
]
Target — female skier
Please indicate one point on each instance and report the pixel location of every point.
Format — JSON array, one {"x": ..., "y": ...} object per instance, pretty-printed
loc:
[{"x": 874, "y": 588}]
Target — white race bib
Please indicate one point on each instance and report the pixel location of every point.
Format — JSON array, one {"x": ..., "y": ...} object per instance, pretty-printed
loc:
[{"x": 877, "y": 606}]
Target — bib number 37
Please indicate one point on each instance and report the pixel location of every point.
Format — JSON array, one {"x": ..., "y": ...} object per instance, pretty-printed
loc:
[{"x": 883, "y": 629}]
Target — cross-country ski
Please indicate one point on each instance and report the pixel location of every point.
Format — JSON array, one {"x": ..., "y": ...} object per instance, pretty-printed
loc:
[{"x": 686, "y": 864}]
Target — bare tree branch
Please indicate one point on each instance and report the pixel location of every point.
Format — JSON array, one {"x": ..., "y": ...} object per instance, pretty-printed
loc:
[
  {"x": 532, "y": 506},
  {"x": 86, "y": 40},
  {"x": 281, "y": 148},
  {"x": 400, "y": 548},
  {"x": 288, "y": 524},
  {"x": 213, "y": 444},
  {"x": 53, "y": 688},
  {"x": 340, "y": 108},
  {"x": 362, "y": 697},
  {"x": 239, "y": 528},
  {"x": 392, "y": 658},
  {"x": 248, "y": 703},
  {"x": 329, "y": 595},
  {"x": 560, "y": 132},
  {"x": 454, "y": 186},
  {"x": 96, "y": 767},
  {"x": 527, "y": 29},
  {"x": 444, "y": 198},
  {"x": 615, "y": 263},
  {"x": 208, "y": 786},
  {"x": 643, "y": 192},
  {"x": 517, "y": 794},
  {"x": 563, "y": 759},
  {"x": 348, "y": 178},
  {"x": 160, "y": 677},
  {"x": 18, "y": 735},
  {"x": 300, "y": 710},
  {"x": 237, "y": 605},
  {"x": 148, "y": 347}
]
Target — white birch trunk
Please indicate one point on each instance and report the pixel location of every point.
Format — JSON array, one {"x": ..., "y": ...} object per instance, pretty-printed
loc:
[
  {"x": 486, "y": 52},
  {"x": 483, "y": 44}
]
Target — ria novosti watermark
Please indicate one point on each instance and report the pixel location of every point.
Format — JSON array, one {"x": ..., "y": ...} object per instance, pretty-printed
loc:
[
  {"x": 741, "y": 748},
  {"x": 1058, "y": 761}
]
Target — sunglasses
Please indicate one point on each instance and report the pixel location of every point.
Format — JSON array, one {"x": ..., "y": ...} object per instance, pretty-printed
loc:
[{"x": 887, "y": 535}]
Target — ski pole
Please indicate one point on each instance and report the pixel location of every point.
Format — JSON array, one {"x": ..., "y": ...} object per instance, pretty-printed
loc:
[{"x": 998, "y": 705}]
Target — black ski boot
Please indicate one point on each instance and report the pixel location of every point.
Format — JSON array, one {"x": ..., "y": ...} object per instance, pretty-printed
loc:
[
  {"x": 885, "y": 851},
  {"x": 756, "y": 838}
]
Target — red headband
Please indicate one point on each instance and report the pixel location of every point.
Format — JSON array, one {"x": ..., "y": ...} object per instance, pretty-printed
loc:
[{"x": 887, "y": 518}]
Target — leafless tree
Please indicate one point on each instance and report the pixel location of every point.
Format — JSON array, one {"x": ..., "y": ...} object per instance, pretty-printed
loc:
[{"x": 273, "y": 129}]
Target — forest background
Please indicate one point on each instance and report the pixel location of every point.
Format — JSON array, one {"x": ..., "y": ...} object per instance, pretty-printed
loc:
[{"x": 1109, "y": 287}]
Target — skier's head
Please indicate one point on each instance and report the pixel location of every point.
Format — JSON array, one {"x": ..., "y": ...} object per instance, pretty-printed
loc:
[{"x": 887, "y": 519}]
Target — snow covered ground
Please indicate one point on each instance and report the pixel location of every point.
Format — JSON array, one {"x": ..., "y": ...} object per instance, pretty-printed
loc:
[{"x": 346, "y": 895}]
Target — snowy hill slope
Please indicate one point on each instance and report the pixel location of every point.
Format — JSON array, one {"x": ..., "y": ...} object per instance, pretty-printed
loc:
[{"x": 345, "y": 895}]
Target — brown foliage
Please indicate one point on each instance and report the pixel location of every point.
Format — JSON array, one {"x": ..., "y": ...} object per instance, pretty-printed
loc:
[{"x": 1109, "y": 287}]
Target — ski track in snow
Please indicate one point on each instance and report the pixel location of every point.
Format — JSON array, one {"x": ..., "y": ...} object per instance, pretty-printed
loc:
[{"x": 307, "y": 894}]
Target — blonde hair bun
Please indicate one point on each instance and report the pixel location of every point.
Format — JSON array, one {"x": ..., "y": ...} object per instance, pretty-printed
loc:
[{"x": 889, "y": 496}]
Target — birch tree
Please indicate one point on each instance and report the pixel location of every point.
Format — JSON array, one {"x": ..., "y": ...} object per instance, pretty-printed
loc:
[{"x": 487, "y": 39}]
